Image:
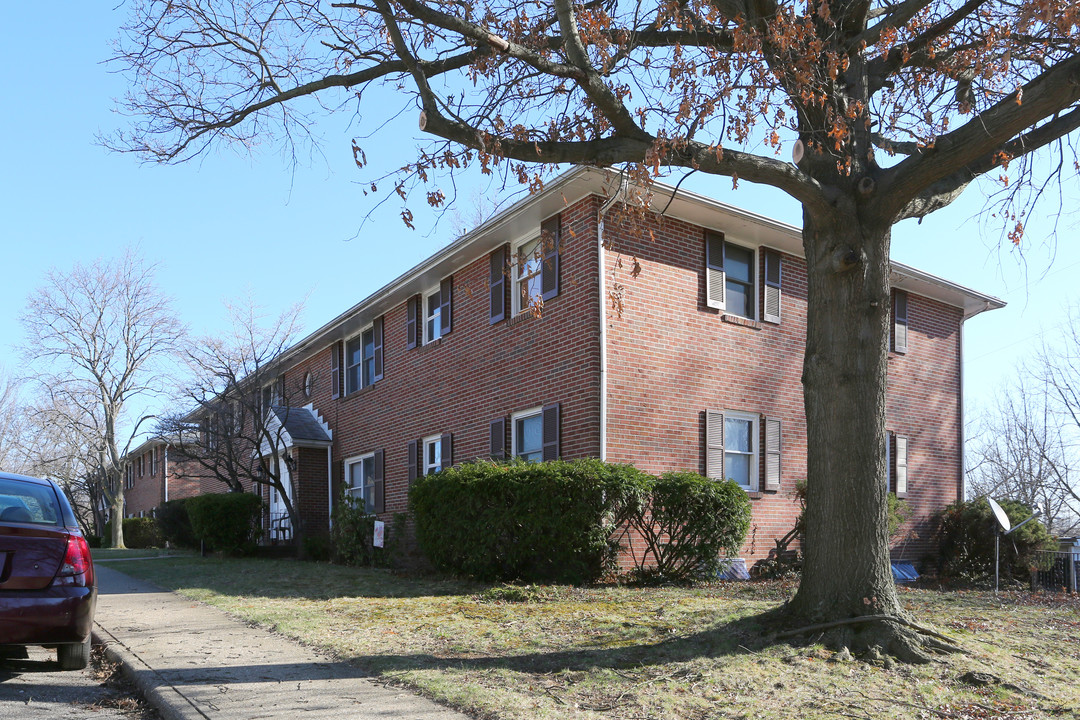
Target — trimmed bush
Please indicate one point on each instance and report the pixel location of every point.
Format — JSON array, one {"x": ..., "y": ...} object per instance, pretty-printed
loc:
[
  {"x": 139, "y": 533},
  {"x": 228, "y": 522},
  {"x": 531, "y": 522},
  {"x": 967, "y": 541},
  {"x": 688, "y": 524},
  {"x": 174, "y": 523}
]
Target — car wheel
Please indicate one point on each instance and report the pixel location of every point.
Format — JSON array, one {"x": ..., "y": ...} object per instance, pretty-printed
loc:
[{"x": 74, "y": 657}]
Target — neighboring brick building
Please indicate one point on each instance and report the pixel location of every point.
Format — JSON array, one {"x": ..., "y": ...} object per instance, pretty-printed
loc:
[{"x": 650, "y": 340}]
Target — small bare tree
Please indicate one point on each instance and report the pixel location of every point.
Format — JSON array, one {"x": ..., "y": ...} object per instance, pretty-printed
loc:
[
  {"x": 99, "y": 334},
  {"x": 1021, "y": 452},
  {"x": 233, "y": 430}
]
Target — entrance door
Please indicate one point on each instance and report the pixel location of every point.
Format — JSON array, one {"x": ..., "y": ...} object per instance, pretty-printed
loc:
[{"x": 280, "y": 524}]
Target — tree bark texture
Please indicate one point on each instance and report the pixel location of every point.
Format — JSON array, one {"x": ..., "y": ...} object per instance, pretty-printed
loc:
[{"x": 846, "y": 553}]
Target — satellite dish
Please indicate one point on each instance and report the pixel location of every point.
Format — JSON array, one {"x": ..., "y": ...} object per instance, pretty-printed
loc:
[{"x": 1002, "y": 518}]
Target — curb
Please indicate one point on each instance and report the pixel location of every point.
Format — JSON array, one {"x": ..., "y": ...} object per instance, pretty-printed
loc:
[{"x": 166, "y": 698}]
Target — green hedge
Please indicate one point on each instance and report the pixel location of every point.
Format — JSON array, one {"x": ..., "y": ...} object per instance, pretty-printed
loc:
[
  {"x": 174, "y": 523},
  {"x": 534, "y": 522},
  {"x": 228, "y": 522},
  {"x": 688, "y": 524},
  {"x": 967, "y": 541},
  {"x": 138, "y": 533}
]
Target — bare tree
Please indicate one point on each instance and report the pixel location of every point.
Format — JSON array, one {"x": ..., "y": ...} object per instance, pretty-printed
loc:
[
  {"x": 233, "y": 429},
  {"x": 12, "y": 426},
  {"x": 889, "y": 109},
  {"x": 1021, "y": 453},
  {"x": 99, "y": 335}
]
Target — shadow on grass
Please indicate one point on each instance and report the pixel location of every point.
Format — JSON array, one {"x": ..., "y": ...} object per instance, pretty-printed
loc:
[{"x": 746, "y": 636}]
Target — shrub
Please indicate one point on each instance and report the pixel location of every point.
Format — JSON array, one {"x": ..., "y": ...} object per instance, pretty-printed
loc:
[
  {"x": 174, "y": 523},
  {"x": 688, "y": 522},
  {"x": 138, "y": 533},
  {"x": 967, "y": 541},
  {"x": 353, "y": 533},
  {"x": 142, "y": 533},
  {"x": 228, "y": 522},
  {"x": 532, "y": 522}
]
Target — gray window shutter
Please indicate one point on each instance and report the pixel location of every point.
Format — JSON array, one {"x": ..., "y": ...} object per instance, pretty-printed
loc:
[
  {"x": 412, "y": 322},
  {"x": 549, "y": 269},
  {"x": 497, "y": 284},
  {"x": 771, "y": 306},
  {"x": 446, "y": 294},
  {"x": 901, "y": 466},
  {"x": 772, "y": 454},
  {"x": 413, "y": 461},
  {"x": 377, "y": 331},
  {"x": 447, "y": 450},
  {"x": 714, "y": 444},
  {"x": 498, "y": 438},
  {"x": 900, "y": 321},
  {"x": 889, "y": 454},
  {"x": 550, "y": 421},
  {"x": 715, "y": 278},
  {"x": 379, "y": 481}
]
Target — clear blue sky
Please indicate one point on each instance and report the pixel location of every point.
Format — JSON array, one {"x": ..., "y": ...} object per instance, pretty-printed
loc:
[{"x": 228, "y": 225}]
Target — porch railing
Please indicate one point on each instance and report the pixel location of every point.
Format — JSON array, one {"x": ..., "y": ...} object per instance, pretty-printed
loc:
[{"x": 279, "y": 529}]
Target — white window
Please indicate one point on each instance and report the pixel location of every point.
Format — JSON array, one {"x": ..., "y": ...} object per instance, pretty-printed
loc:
[
  {"x": 360, "y": 361},
  {"x": 527, "y": 435},
  {"x": 528, "y": 271},
  {"x": 433, "y": 450},
  {"x": 741, "y": 449},
  {"x": 360, "y": 476},
  {"x": 432, "y": 311},
  {"x": 731, "y": 272}
]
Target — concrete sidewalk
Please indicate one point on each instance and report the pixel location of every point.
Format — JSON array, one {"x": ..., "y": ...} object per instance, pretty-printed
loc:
[{"x": 193, "y": 662}]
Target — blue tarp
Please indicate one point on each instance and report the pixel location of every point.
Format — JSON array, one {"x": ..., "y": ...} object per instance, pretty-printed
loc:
[{"x": 904, "y": 572}]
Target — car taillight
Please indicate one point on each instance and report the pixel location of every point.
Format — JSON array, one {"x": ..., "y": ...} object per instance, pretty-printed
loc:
[{"x": 77, "y": 568}]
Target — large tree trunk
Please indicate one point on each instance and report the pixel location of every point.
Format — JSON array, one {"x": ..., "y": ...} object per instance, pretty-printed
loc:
[
  {"x": 116, "y": 508},
  {"x": 846, "y": 571}
]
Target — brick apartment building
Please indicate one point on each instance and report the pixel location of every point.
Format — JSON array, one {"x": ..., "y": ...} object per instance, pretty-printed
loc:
[{"x": 671, "y": 340}]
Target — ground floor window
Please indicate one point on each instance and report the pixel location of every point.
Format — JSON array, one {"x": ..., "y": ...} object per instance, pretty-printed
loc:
[
  {"x": 740, "y": 449},
  {"x": 527, "y": 430},
  {"x": 360, "y": 476},
  {"x": 432, "y": 454}
]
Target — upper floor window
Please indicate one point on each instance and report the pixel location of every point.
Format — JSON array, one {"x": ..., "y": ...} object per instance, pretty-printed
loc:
[
  {"x": 363, "y": 358},
  {"x": 730, "y": 276},
  {"x": 900, "y": 321},
  {"x": 528, "y": 267},
  {"x": 429, "y": 316}
]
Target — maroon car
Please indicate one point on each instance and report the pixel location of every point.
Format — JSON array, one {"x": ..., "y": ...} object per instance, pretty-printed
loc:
[{"x": 47, "y": 588}]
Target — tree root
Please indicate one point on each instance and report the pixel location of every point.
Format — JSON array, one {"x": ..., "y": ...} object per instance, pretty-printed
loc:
[{"x": 897, "y": 636}]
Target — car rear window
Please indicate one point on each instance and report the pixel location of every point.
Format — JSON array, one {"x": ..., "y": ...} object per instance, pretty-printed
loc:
[{"x": 28, "y": 503}]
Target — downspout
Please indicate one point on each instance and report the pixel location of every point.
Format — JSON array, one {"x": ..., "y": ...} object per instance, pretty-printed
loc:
[
  {"x": 165, "y": 469},
  {"x": 602, "y": 265},
  {"x": 330, "y": 486},
  {"x": 962, "y": 432}
]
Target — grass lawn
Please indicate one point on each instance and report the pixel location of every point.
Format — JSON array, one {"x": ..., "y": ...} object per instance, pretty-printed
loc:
[{"x": 631, "y": 653}]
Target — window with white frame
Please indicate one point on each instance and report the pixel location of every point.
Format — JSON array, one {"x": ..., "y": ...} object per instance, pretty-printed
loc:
[
  {"x": 741, "y": 449},
  {"x": 432, "y": 459},
  {"x": 432, "y": 316},
  {"x": 360, "y": 361},
  {"x": 528, "y": 269},
  {"x": 731, "y": 276},
  {"x": 527, "y": 435},
  {"x": 360, "y": 476}
]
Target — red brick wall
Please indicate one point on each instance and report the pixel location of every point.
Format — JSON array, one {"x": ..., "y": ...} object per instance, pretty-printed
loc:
[
  {"x": 477, "y": 372},
  {"x": 924, "y": 406},
  {"x": 671, "y": 358}
]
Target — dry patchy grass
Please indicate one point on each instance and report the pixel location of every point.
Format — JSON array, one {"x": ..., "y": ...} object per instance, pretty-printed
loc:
[{"x": 628, "y": 653}]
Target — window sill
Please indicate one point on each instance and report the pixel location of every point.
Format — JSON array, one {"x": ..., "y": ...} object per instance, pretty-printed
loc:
[
  {"x": 430, "y": 346},
  {"x": 521, "y": 317},
  {"x": 740, "y": 320},
  {"x": 755, "y": 494},
  {"x": 362, "y": 391}
]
